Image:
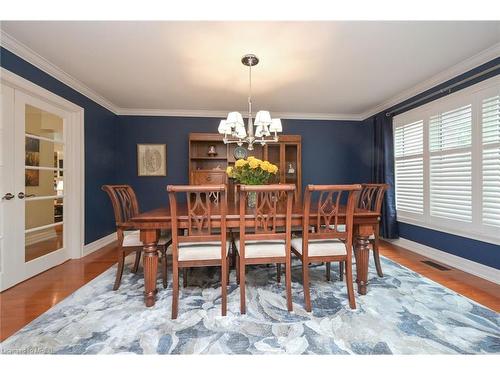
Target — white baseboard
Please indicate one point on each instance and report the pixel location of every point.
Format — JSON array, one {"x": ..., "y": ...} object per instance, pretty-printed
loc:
[
  {"x": 36, "y": 237},
  {"x": 474, "y": 268},
  {"x": 97, "y": 244}
]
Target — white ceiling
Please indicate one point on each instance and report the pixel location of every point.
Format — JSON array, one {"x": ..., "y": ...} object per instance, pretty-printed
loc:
[{"x": 330, "y": 68}]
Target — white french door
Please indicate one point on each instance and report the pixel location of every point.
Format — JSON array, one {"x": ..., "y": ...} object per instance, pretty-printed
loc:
[{"x": 34, "y": 219}]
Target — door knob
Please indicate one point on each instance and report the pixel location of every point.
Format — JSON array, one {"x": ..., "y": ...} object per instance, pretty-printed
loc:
[
  {"x": 8, "y": 196},
  {"x": 21, "y": 195}
]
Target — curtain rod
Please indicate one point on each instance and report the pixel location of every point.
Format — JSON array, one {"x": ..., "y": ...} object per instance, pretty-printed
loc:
[{"x": 446, "y": 90}]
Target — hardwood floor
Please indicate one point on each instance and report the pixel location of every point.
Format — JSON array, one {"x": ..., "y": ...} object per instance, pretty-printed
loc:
[
  {"x": 42, "y": 248},
  {"x": 24, "y": 302},
  {"x": 480, "y": 290}
]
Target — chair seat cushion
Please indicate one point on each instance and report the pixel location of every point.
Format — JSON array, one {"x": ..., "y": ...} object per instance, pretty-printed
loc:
[
  {"x": 133, "y": 238},
  {"x": 263, "y": 248},
  {"x": 321, "y": 248},
  {"x": 201, "y": 250}
]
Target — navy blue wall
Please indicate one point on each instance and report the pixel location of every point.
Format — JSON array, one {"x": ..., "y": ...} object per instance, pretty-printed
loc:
[
  {"x": 332, "y": 151},
  {"x": 100, "y": 136},
  {"x": 331, "y": 154},
  {"x": 477, "y": 251}
]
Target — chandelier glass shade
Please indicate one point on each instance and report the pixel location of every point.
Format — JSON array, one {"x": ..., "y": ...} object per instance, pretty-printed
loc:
[{"x": 266, "y": 128}]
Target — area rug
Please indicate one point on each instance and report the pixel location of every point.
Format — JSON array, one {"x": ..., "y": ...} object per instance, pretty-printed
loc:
[{"x": 403, "y": 313}]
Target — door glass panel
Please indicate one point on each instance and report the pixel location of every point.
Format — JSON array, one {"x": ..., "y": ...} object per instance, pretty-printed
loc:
[
  {"x": 43, "y": 124},
  {"x": 44, "y": 177},
  {"x": 42, "y": 242},
  {"x": 42, "y": 212},
  {"x": 43, "y": 153},
  {"x": 42, "y": 183}
]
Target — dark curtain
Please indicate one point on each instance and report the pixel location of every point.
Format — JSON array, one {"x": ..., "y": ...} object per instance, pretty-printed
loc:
[{"x": 383, "y": 172}]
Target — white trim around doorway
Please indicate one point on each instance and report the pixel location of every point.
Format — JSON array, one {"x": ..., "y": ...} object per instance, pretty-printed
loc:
[{"x": 76, "y": 142}]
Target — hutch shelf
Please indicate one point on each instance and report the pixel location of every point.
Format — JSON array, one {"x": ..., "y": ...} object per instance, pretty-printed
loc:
[{"x": 209, "y": 157}]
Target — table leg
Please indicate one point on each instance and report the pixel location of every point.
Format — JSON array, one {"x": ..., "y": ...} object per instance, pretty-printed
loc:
[
  {"x": 149, "y": 239},
  {"x": 362, "y": 255}
]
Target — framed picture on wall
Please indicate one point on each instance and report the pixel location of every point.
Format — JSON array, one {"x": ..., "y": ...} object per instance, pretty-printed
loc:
[{"x": 152, "y": 159}]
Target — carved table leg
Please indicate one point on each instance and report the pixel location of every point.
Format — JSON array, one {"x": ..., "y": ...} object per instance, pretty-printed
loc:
[
  {"x": 149, "y": 238},
  {"x": 361, "y": 253}
]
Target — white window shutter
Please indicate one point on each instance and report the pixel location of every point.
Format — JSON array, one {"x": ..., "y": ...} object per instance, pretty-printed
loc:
[
  {"x": 409, "y": 167},
  {"x": 490, "y": 119},
  {"x": 450, "y": 139},
  {"x": 450, "y": 180},
  {"x": 451, "y": 186},
  {"x": 451, "y": 130}
]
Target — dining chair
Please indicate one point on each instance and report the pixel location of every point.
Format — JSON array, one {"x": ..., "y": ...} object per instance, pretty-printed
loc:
[
  {"x": 214, "y": 198},
  {"x": 371, "y": 198},
  {"x": 265, "y": 242},
  {"x": 125, "y": 206},
  {"x": 328, "y": 241},
  {"x": 203, "y": 242}
]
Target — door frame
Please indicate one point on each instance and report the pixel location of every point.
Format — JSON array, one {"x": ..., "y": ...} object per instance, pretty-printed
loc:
[{"x": 75, "y": 146}]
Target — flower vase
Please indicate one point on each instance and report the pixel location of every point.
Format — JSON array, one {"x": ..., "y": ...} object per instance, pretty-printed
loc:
[{"x": 252, "y": 199}]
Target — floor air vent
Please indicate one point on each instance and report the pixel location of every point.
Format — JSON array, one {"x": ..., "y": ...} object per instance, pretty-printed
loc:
[{"x": 436, "y": 265}]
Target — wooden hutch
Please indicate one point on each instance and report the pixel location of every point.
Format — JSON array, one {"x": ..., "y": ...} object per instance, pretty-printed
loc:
[{"x": 205, "y": 168}]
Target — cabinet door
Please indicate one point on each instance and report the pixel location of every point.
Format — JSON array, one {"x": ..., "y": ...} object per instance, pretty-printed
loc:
[
  {"x": 274, "y": 156},
  {"x": 292, "y": 167},
  {"x": 208, "y": 178}
]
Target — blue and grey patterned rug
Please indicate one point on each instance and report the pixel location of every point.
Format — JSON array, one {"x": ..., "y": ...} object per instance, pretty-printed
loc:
[{"x": 403, "y": 313}]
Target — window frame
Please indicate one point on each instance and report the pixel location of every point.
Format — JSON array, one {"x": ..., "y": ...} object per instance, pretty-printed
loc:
[{"x": 473, "y": 95}]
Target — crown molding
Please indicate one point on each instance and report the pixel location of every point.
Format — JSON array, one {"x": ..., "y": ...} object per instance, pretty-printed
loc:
[
  {"x": 170, "y": 112},
  {"x": 16, "y": 47},
  {"x": 450, "y": 73},
  {"x": 317, "y": 116},
  {"x": 26, "y": 53},
  {"x": 223, "y": 114}
]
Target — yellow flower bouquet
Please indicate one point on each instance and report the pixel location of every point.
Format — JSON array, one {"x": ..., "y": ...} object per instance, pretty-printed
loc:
[{"x": 252, "y": 171}]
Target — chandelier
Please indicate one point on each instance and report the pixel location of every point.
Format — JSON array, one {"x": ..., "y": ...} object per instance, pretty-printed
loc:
[{"x": 266, "y": 128}]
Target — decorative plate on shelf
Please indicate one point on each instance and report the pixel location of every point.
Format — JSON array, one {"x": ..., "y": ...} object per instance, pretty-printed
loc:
[{"x": 240, "y": 153}]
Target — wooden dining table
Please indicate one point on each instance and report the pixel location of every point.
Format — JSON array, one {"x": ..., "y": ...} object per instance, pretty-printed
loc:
[{"x": 151, "y": 222}]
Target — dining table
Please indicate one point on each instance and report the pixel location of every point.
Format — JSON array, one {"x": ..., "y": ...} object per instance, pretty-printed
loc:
[{"x": 151, "y": 222}]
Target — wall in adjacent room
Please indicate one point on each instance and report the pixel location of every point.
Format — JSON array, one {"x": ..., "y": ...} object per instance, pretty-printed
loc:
[
  {"x": 333, "y": 152},
  {"x": 100, "y": 136}
]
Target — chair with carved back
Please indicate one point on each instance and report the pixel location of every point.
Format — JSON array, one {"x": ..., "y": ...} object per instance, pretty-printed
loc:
[
  {"x": 331, "y": 238},
  {"x": 199, "y": 237},
  {"x": 125, "y": 206},
  {"x": 214, "y": 198},
  {"x": 371, "y": 198},
  {"x": 265, "y": 242}
]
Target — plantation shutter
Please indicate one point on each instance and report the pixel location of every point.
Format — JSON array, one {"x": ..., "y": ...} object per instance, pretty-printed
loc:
[
  {"x": 409, "y": 167},
  {"x": 450, "y": 164},
  {"x": 490, "y": 120}
]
